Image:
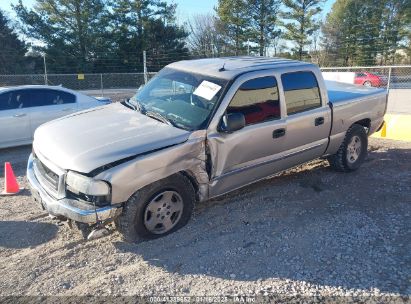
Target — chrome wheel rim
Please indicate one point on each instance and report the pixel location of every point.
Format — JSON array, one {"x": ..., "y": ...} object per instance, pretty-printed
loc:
[
  {"x": 354, "y": 149},
  {"x": 163, "y": 212}
]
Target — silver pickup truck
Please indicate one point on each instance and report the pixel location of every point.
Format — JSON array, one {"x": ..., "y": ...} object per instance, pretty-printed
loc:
[{"x": 197, "y": 130}]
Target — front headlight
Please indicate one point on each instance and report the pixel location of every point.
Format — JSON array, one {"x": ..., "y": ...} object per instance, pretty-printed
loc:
[{"x": 78, "y": 183}]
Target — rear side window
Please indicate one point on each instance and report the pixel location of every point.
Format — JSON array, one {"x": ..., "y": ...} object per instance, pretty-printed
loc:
[
  {"x": 18, "y": 99},
  {"x": 50, "y": 98},
  {"x": 257, "y": 99},
  {"x": 301, "y": 92},
  {"x": 59, "y": 97}
]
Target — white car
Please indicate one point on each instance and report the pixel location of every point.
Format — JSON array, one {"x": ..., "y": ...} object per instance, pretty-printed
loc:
[{"x": 24, "y": 108}]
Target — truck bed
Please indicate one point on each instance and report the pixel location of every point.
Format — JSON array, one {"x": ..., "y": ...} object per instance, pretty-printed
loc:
[
  {"x": 352, "y": 104},
  {"x": 339, "y": 92}
]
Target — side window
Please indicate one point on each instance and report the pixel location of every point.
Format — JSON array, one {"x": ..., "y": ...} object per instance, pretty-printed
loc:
[
  {"x": 59, "y": 97},
  {"x": 6, "y": 102},
  {"x": 257, "y": 99},
  {"x": 41, "y": 98},
  {"x": 37, "y": 97},
  {"x": 301, "y": 92},
  {"x": 14, "y": 100}
]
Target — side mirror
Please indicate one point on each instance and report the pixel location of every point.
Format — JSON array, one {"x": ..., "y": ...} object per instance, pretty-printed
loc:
[{"x": 232, "y": 122}]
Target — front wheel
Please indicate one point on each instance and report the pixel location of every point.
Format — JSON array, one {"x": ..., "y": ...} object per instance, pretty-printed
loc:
[
  {"x": 157, "y": 209},
  {"x": 352, "y": 151}
]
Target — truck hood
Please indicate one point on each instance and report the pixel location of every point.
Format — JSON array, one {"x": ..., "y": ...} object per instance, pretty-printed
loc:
[{"x": 90, "y": 139}]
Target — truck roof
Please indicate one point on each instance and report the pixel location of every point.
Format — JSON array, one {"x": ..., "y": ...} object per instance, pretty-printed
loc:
[{"x": 234, "y": 66}]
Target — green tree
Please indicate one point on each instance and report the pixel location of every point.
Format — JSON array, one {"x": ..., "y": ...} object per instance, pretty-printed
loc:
[
  {"x": 394, "y": 28},
  {"x": 145, "y": 25},
  {"x": 407, "y": 13},
  {"x": 233, "y": 13},
  {"x": 72, "y": 31},
  {"x": 301, "y": 23},
  {"x": 264, "y": 21},
  {"x": 131, "y": 17},
  {"x": 166, "y": 44},
  {"x": 341, "y": 31},
  {"x": 360, "y": 33},
  {"x": 12, "y": 51},
  {"x": 368, "y": 35}
]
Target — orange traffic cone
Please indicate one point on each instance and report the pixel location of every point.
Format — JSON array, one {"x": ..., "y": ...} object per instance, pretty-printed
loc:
[{"x": 10, "y": 182}]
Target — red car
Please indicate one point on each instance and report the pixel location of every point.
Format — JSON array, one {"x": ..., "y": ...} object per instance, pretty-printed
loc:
[{"x": 370, "y": 80}]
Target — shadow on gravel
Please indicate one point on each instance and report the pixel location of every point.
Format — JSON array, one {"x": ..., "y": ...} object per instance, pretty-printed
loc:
[
  {"x": 317, "y": 226},
  {"x": 23, "y": 192},
  {"x": 20, "y": 234}
]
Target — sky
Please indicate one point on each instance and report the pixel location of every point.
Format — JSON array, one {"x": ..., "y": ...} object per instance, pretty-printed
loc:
[{"x": 185, "y": 8}]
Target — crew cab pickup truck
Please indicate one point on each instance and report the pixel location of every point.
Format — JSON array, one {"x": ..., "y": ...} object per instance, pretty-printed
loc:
[{"x": 197, "y": 130}]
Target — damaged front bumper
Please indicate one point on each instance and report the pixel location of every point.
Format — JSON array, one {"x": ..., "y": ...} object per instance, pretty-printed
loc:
[{"x": 72, "y": 209}]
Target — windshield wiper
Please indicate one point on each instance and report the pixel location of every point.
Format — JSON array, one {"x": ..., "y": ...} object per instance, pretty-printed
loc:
[
  {"x": 139, "y": 106},
  {"x": 128, "y": 104},
  {"x": 159, "y": 117},
  {"x": 136, "y": 105}
]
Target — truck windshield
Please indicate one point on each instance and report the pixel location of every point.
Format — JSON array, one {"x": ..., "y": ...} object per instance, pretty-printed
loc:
[{"x": 185, "y": 99}]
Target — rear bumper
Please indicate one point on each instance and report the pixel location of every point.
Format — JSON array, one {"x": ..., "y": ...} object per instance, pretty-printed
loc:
[{"x": 71, "y": 209}]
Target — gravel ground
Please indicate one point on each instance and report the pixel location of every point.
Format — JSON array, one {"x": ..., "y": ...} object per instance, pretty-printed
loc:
[{"x": 308, "y": 232}]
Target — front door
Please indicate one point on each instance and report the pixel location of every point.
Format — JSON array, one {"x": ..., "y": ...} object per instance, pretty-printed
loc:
[
  {"x": 14, "y": 118},
  {"x": 249, "y": 154}
]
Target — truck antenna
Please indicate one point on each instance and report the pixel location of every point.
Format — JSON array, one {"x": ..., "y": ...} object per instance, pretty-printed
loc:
[{"x": 223, "y": 68}]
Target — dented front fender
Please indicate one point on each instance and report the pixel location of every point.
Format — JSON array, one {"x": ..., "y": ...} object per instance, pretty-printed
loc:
[{"x": 189, "y": 157}]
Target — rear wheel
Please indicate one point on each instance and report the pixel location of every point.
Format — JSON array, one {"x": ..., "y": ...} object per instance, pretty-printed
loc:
[
  {"x": 157, "y": 209},
  {"x": 352, "y": 151},
  {"x": 367, "y": 84}
]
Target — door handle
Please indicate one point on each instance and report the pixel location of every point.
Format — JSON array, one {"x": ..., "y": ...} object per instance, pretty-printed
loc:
[
  {"x": 278, "y": 133},
  {"x": 20, "y": 115},
  {"x": 319, "y": 121},
  {"x": 67, "y": 109}
]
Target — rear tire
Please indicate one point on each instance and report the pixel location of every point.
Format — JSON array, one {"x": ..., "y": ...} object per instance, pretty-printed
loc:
[
  {"x": 367, "y": 84},
  {"x": 352, "y": 151},
  {"x": 157, "y": 209}
]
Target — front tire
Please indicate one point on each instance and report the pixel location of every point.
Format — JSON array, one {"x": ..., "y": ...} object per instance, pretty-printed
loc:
[
  {"x": 352, "y": 151},
  {"x": 157, "y": 209}
]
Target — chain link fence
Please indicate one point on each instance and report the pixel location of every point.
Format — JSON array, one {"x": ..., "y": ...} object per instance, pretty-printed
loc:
[
  {"x": 396, "y": 79},
  {"x": 390, "y": 77},
  {"x": 80, "y": 82},
  {"x": 117, "y": 86}
]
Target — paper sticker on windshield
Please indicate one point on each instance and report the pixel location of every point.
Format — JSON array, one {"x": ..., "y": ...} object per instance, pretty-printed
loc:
[{"x": 207, "y": 90}]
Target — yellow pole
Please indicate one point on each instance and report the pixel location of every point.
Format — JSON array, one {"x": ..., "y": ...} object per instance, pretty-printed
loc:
[{"x": 384, "y": 130}]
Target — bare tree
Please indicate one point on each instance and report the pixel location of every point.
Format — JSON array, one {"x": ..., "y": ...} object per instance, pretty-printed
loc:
[{"x": 207, "y": 35}]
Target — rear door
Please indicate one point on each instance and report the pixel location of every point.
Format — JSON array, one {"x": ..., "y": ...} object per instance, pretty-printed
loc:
[
  {"x": 308, "y": 118},
  {"x": 14, "y": 118},
  {"x": 49, "y": 104}
]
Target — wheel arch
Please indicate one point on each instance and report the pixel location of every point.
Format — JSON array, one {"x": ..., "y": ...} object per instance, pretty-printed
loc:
[
  {"x": 194, "y": 182},
  {"x": 366, "y": 123}
]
